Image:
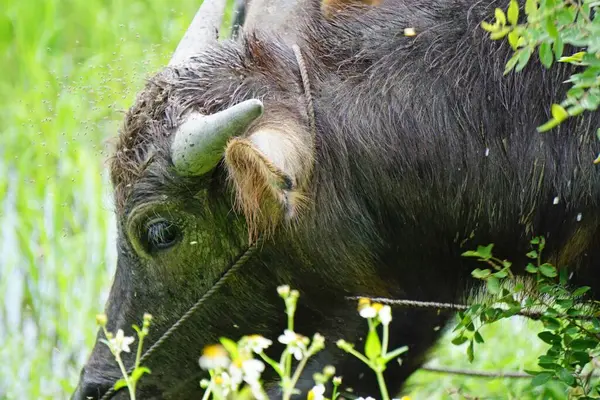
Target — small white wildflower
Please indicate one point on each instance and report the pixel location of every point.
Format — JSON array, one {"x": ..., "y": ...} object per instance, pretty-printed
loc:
[
  {"x": 296, "y": 343},
  {"x": 121, "y": 342},
  {"x": 337, "y": 380},
  {"x": 257, "y": 343},
  {"x": 556, "y": 200},
  {"x": 385, "y": 315},
  {"x": 317, "y": 392},
  {"x": 365, "y": 398},
  {"x": 214, "y": 357},
  {"x": 252, "y": 369},
  {"x": 487, "y": 152},
  {"x": 579, "y": 217},
  {"x": 283, "y": 290},
  {"x": 368, "y": 312}
]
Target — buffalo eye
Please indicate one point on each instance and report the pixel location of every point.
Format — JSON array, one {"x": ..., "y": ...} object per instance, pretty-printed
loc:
[{"x": 160, "y": 234}]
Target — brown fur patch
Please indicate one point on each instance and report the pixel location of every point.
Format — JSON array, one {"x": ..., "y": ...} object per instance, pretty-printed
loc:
[{"x": 261, "y": 188}]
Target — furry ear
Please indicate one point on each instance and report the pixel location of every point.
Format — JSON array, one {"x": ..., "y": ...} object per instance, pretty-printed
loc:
[
  {"x": 269, "y": 171},
  {"x": 330, "y": 7}
]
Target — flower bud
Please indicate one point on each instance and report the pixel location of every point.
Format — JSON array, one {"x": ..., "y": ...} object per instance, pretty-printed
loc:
[{"x": 101, "y": 319}]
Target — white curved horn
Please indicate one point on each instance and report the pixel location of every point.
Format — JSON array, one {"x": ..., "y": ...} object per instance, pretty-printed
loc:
[
  {"x": 200, "y": 141},
  {"x": 202, "y": 31}
]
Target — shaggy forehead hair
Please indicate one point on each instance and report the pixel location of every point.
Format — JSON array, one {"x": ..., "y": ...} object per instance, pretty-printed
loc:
[{"x": 212, "y": 81}]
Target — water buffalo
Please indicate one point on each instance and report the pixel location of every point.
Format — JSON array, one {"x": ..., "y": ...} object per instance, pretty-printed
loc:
[{"x": 419, "y": 149}]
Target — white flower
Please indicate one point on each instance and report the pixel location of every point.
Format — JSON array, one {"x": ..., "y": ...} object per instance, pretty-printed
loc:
[
  {"x": 256, "y": 343},
  {"x": 385, "y": 315},
  {"x": 368, "y": 312},
  {"x": 225, "y": 383},
  {"x": 252, "y": 370},
  {"x": 121, "y": 342},
  {"x": 365, "y": 398},
  {"x": 283, "y": 290},
  {"x": 317, "y": 392},
  {"x": 296, "y": 344},
  {"x": 214, "y": 357}
]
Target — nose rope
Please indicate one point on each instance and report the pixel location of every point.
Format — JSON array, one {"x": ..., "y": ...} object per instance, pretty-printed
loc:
[{"x": 232, "y": 269}]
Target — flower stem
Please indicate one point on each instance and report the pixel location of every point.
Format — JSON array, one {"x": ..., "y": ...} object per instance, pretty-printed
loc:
[
  {"x": 208, "y": 390},
  {"x": 382, "y": 386},
  {"x": 130, "y": 385},
  {"x": 386, "y": 337},
  {"x": 288, "y": 391}
]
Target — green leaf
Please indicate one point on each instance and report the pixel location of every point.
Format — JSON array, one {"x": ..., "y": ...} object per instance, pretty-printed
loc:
[
  {"x": 486, "y": 26},
  {"x": 510, "y": 64},
  {"x": 541, "y": 378},
  {"x": 550, "y": 323},
  {"x": 500, "y": 16},
  {"x": 471, "y": 352},
  {"x": 548, "y": 125},
  {"x": 575, "y": 58},
  {"x": 548, "y": 270},
  {"x": 565, "y": 303},
  {"x": 531, "y": 7},
  {"x": 566, "y": 376},
  {"x": 501, "y": 274},
  {"x": 559, "y": 113},
  {"x": 549, "y": 337},
  {"x": 546, "y": 56},
  {"x": 481, "y": 274},
  {"x": 500, "y": 33},
  {"x": 524, "y": 55},
  {"x": 581, "y": 357},
  {"x": 532, "y": 254},
  {"x": 551, "y": 28},
  {"x": 457, "y": 341},
  {"x": 581, "y": 291},
  {"x": 138, "y": 372},
  {"x": 230, "y": 346},
  {"x": 583, "y": 344},
  {"x": 372, "y": 345},
  {"x": 532, "y": 269},
  {"x": 558, "y": 47},
  {"x": 478, "y": 337},
  {"x": 493, "y": 285},
  {"x": 121, "y": 383},
  {"x": 513, "y": 12},
  {"x": 513, "y": 39}
]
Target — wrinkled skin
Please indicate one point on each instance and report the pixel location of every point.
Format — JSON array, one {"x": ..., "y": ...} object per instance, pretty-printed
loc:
[{"x": 401, "y": 186}]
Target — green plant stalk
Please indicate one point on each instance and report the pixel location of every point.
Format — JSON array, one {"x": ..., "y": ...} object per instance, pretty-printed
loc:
[
  {"x": 382, "y": 386},
  {"x": 386, "y": 337},
  {"x": 287, "y": 394},
  {"x": 272, "y": 363},
  {"x": 130, "y": 385},
  {"x": 206, "y": 394}
]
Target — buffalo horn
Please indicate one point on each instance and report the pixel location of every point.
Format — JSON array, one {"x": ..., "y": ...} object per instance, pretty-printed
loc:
[
  {"x": 201, "y": 32},
  {"x": 199, "y": 142}
]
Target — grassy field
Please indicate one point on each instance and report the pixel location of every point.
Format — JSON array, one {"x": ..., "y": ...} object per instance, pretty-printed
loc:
[{"x": 70, "y": 68}]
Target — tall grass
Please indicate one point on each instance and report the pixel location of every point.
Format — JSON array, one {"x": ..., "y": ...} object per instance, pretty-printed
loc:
[{"x": 70, "y": 67}]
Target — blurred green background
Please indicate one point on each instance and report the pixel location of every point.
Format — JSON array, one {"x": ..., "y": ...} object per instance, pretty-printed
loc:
[{"x": 70, "y": 69}]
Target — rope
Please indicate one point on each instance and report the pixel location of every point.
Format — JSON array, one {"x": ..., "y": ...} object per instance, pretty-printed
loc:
[
  {"x": 458, "y": 307},
  {"x": 477, "y": 374},
  {"x": 307, "y": 90},
  {"x": 232, "y": 269}
]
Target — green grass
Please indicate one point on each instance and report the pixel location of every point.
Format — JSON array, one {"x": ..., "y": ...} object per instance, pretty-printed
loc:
[{"x": 70, "y": 67}]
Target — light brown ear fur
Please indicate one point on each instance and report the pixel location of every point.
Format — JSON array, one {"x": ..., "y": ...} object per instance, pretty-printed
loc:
[{"x": 265, "y": 194}]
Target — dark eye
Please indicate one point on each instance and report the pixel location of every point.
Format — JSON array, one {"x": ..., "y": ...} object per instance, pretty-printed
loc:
[{"x": 160, "y": 234}]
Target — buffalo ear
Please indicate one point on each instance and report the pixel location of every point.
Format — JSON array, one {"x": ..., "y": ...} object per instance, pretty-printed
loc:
[{"x": 269, "y": 171}]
